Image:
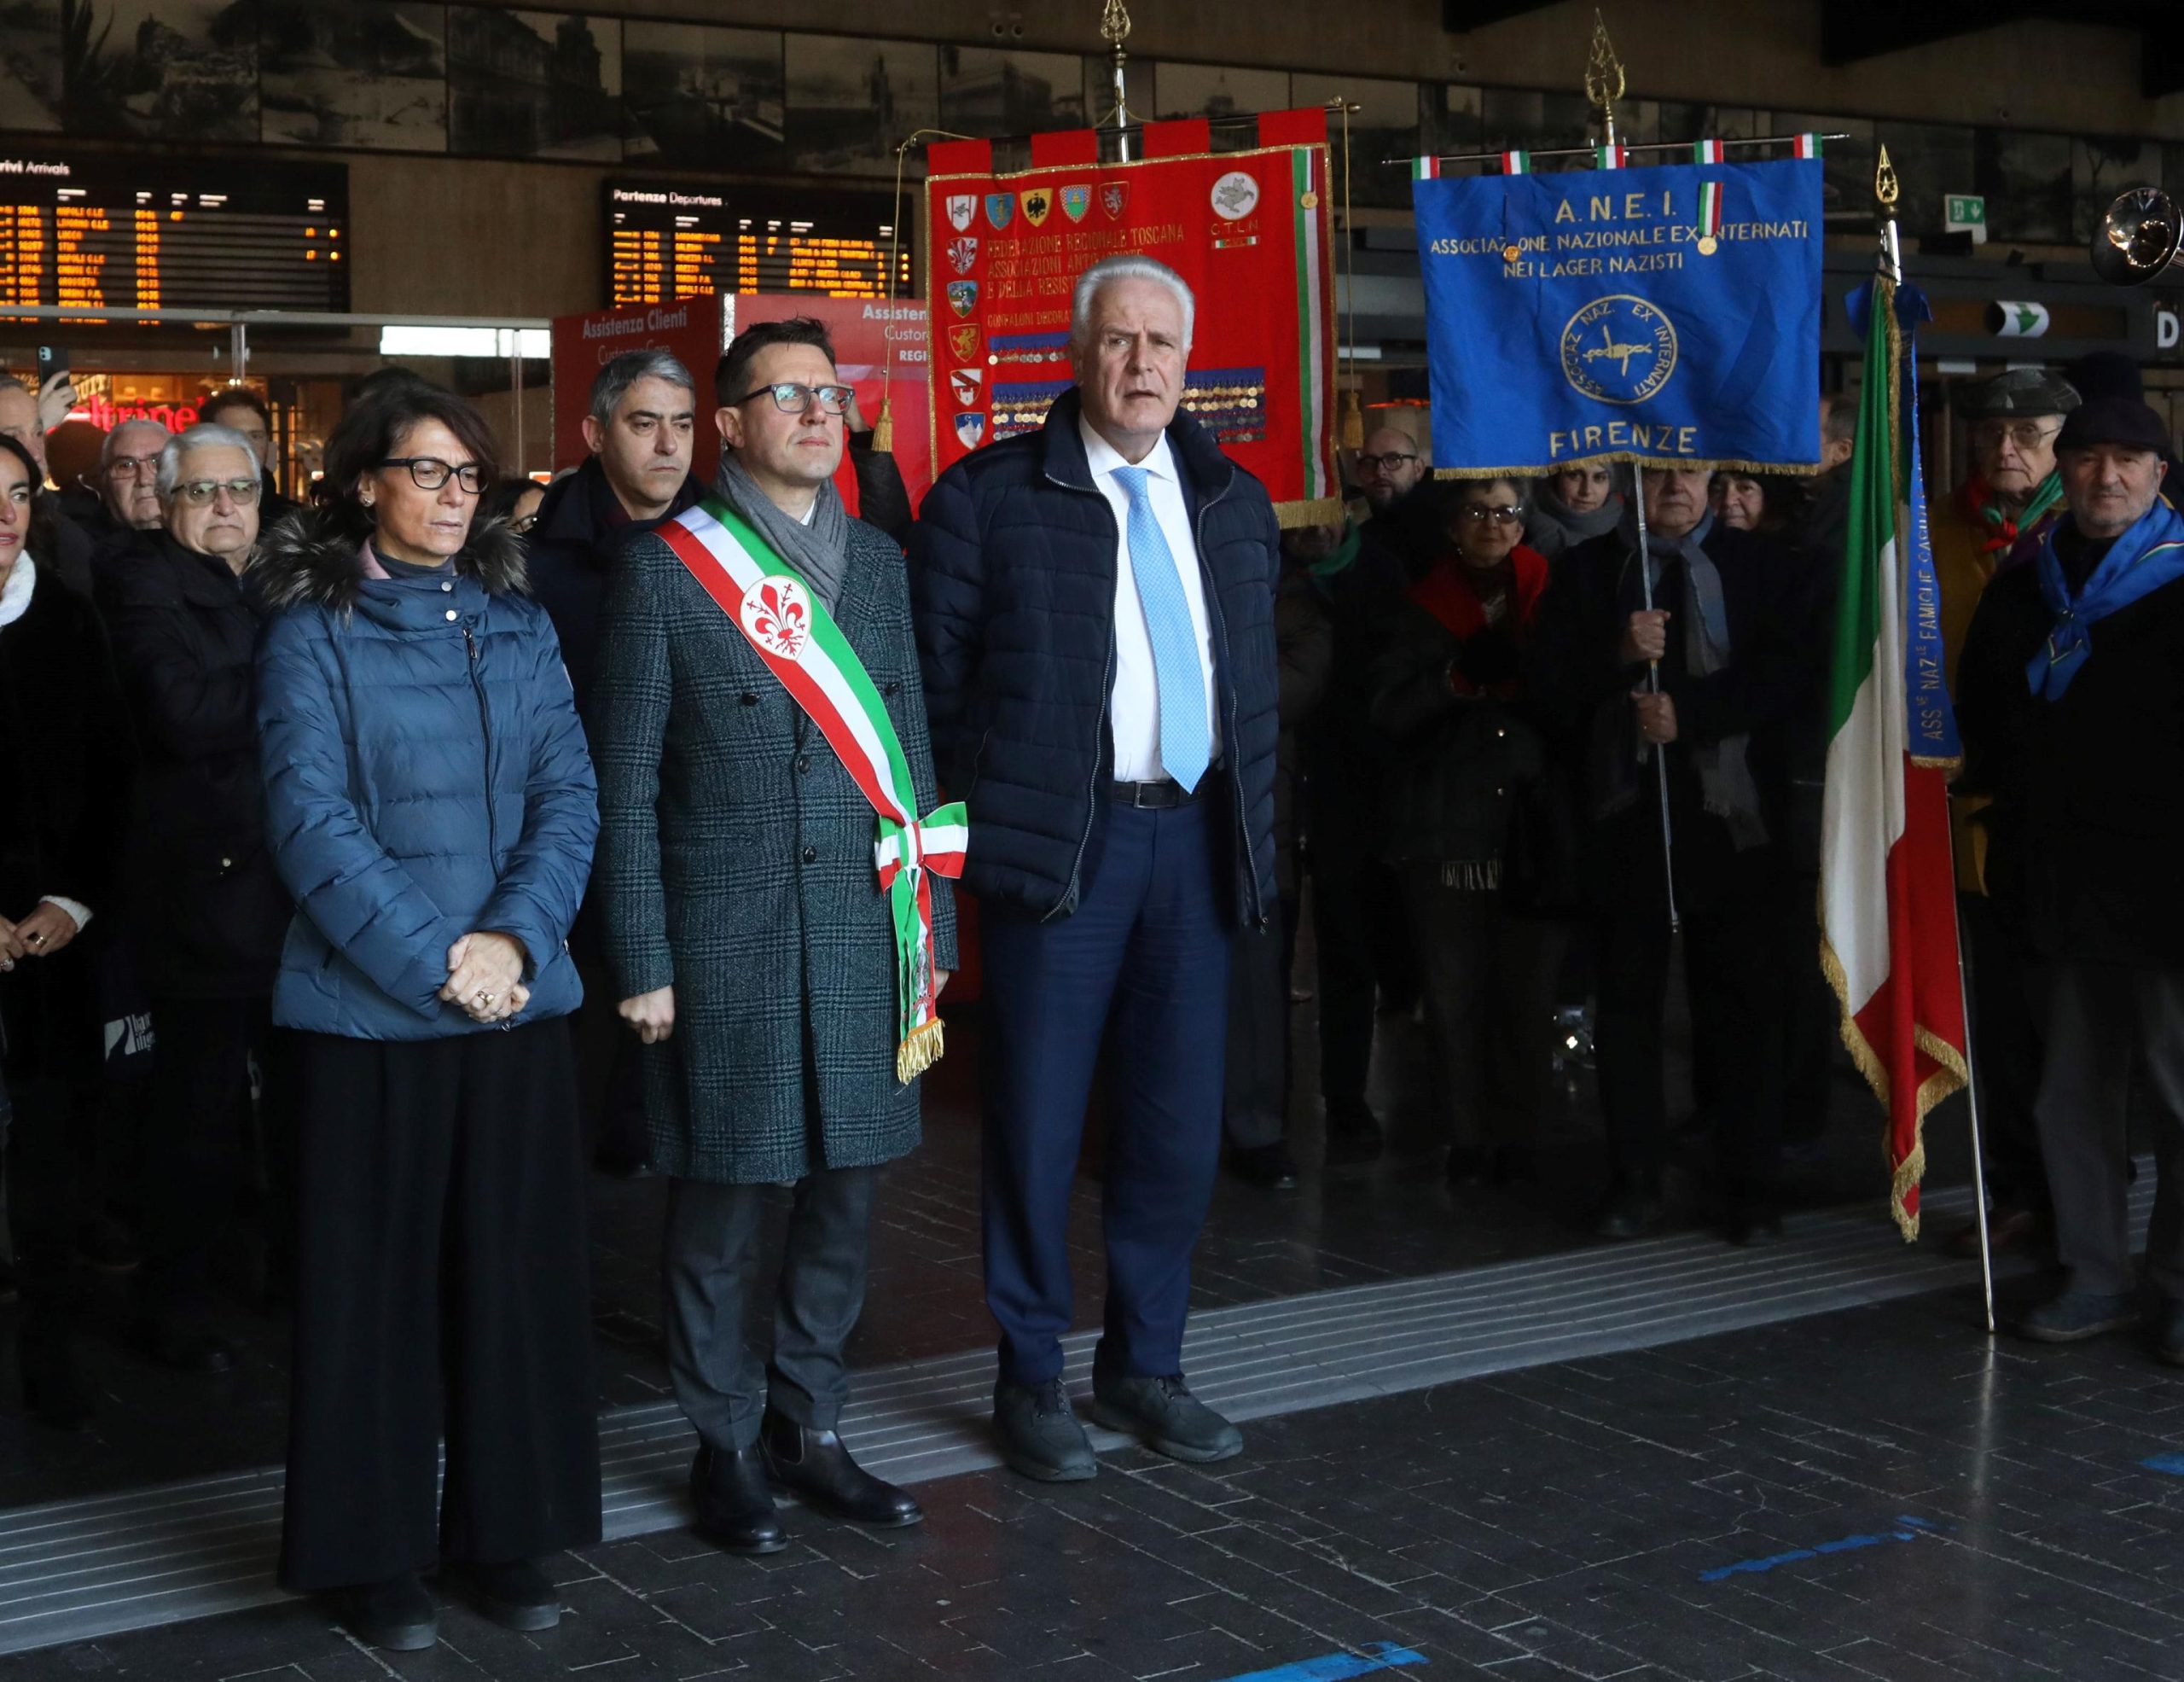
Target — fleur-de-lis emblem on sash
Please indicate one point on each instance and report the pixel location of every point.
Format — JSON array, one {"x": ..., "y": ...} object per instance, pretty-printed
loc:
[{"x": 777, "y": 618}]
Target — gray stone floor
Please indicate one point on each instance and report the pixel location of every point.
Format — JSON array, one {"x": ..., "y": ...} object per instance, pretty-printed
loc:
[{"x": 1879, "y": 1493}]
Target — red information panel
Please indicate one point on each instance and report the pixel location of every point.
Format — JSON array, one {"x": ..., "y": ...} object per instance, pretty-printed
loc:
[
  {"x": 688, "y": 329},
  {"x": 1249, "y": 233}
]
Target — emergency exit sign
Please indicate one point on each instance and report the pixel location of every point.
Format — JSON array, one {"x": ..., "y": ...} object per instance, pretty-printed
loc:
[{"x": 1966, "y": 213}]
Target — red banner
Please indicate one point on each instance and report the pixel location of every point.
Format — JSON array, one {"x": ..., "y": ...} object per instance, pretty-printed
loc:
[{"x": 1248, "y": 231}]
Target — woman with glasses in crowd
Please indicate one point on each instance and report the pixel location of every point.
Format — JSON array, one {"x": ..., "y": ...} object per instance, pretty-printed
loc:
[
  {"x": 431, "y": 806},
  {"x": 206, "y": 911},
  {"x": 64, "y": 782},
  {"x": 1448, "y": 695}
]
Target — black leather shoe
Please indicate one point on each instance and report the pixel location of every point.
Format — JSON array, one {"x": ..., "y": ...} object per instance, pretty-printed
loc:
[
  {"x": 1267, "y": 1166},
  {"x": 1038, "y": 1433},
  {"x": 53, "y": 1390},
  {"x": 815, "y": 1467},
  {"x": 515, "y": 1595},
  {"x": 2073, "y": 1316},
  {"x": 183, "y": 1346},
  {"x": 1163, "y": 1415},
  {"x": 735, "y": 1509},
  {"x": 397, "y": 1615}
]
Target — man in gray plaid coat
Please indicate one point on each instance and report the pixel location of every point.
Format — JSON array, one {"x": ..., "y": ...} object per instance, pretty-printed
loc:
[{"x": 757, "y": 954}]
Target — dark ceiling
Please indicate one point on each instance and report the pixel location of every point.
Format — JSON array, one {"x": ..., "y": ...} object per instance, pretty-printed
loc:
[{"x": 1851, "y": 30}]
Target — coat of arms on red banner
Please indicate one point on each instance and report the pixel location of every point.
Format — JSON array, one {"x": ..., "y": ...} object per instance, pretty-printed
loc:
[
  {"x": 962, "y": 255},
  {"x": 969, "y": 385},
  {"x": 1114, "y": 199},
  {"x": 1037, "y": 201},
  {"x": 964, "y": 341},
  {"x": 776, "y": 617},
  {"x": 1075, "y": 201},
  {"x": 962, "y": 207}
]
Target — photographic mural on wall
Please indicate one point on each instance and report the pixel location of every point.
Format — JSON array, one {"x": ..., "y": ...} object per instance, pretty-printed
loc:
[
  {"x": 354, "y": 72},
  {"x": 703, "y": 97},
  {"x": 533, "y": 84},
  {"x": 852, "y": 101},
  {"x": 178, "y": 69},
  {"x": 556, "y": 83},
  {"x": 31, "y": 85}
]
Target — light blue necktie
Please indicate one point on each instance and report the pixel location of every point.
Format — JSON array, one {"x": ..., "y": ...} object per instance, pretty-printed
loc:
[{"x": 1176, "y": 670}]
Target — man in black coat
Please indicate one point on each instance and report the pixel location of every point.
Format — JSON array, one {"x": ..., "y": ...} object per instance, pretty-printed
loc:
[
  {"x": 1735, "y": 634},
  {"x": 2071, "y": 697},
  {"x": 1095, "y": 621},
  {"x": 206, "y": 909}
]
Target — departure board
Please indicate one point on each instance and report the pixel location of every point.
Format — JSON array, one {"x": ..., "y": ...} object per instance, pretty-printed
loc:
[
  {"x": 665, "y": 242},
  {"x": 108, "y": 232}
]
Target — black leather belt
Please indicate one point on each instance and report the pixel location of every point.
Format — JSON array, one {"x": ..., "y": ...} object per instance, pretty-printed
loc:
[{"x": 1161, "y": 795}]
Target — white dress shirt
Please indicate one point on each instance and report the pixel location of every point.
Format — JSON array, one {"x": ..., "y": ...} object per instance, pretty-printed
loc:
[{"x": 1134, "y": 703}]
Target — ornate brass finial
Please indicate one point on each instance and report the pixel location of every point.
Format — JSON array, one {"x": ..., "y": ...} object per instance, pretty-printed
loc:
[
  {"x": 1884, "y": 188},
  {"x": 1603, "y": 76},
  {"x": 1115, "y": 24}
]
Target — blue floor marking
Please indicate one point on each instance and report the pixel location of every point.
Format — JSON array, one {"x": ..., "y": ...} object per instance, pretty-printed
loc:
[
  {"x": 1911, "y": 1531},
  {"x": 1337, "y": 1666},
  {"x": 2171, "y": 1463}
]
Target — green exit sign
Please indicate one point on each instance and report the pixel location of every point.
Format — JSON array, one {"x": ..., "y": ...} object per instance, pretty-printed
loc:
[{"x": 1966, "y": 213}]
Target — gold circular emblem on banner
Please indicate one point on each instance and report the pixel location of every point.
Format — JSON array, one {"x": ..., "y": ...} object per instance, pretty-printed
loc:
[
  {"x": 1309, "y": 198},
  {"x": 1510, "y": 253},
  {"x": 1708, "y": 245}
]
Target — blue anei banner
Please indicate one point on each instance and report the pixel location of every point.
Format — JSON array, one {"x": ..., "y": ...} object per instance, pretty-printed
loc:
[{"x": 1669, "y": 317}]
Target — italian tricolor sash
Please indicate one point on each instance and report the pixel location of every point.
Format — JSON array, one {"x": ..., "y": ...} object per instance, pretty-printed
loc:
[{"x": 789, "y": 628}]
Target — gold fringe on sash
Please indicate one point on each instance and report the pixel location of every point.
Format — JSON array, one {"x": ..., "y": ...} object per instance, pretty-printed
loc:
[{"x": 924, "y": 1047}]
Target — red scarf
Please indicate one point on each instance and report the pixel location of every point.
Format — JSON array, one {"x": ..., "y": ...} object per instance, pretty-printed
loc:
[{"x": 1447, "y": 593}]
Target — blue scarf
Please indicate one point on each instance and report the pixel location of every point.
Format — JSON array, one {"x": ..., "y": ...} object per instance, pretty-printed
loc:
[{"x": 2144, "y": 558}]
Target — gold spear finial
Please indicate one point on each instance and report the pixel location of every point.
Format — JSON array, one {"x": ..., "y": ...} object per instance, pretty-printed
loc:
[
  {"x": 1115, "y": 24},
  {"x": 1603, "y": 76},
  {"x": 1884, "y": 187}
]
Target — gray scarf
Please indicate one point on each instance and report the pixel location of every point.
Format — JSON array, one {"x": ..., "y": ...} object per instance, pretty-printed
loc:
[
  {"x": 820, "y": 551},
  {"x": 1554, "y": 528},
  {"x": 1724, "y": 767}
]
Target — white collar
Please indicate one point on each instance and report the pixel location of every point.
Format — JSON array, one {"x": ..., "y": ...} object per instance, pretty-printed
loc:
[
  {"x": 1104, "y": 458},
  {"x": 16, "y": 597}
]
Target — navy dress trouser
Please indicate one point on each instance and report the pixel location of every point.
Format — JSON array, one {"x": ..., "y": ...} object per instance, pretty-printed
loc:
[{"x": 1144, "y": 958}]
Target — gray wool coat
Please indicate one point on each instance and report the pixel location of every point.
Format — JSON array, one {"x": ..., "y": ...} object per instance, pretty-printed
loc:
[{"x": 736, "y": 864}]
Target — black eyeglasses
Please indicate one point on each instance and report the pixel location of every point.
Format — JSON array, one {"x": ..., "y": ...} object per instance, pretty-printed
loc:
[
  {"x": 430, "y": 473},
  {"x": 1378, "y": 464},
  {"x": 792, "y": 398},
  {"x": 198, "y": 492},
  {"x": 1479, "y": 514}
]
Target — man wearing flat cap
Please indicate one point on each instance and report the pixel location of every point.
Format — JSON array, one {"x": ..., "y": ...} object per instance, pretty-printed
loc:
[
  {"x": 2071, "y": 695},
  {"x": 2011, "y": 497}
]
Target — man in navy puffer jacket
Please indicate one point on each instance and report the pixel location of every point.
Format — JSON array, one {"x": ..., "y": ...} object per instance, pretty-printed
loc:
[{"x": 1095, "y": 621}]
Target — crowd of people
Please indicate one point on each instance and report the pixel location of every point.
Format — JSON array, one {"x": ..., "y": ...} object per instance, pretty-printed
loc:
[{"x": 414, "y": 849}]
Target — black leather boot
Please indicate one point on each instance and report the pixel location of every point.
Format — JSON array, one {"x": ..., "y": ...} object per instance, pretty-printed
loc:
[
  {"x": 735, "y": 1509},
  {"x": 815, "y": 1467}
]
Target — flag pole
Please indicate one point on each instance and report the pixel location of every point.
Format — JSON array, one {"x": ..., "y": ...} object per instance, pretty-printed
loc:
[
  {"x": 1885, "y": 191},
  {"x": 1604, "y": 85}
]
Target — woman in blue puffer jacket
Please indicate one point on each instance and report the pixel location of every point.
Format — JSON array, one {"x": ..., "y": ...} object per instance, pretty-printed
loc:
[{"x": 431, "y": 806}]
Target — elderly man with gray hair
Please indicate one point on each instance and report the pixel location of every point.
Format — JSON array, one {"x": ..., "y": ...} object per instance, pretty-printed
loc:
[
  {"x": 207, "y": 913},
  {"x": 1095, "y": 621}
]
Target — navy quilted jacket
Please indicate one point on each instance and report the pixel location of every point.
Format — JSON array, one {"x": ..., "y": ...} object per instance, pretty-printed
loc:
[
  {"x": 1012, "y": 572},
  {"x": 426, "y": 776}
]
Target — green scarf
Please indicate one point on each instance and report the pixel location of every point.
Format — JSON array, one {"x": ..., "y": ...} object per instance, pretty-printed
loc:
[
  {"x": 2003, "y": 529},
  {"x": 1325, "y": 570}
]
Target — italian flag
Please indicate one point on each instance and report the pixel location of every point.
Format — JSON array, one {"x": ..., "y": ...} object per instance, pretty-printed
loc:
[
  {"x": 1516, "y": 163},
  {"x": 1808, "y": 146},
  {"x": 1888, "y": 888},
  {"x": 1610, "y": 157},
  {"x": 1706, "y": 151},
  {"x": 1425, "y": 169},
  {"x": 1709, "y": 207}
]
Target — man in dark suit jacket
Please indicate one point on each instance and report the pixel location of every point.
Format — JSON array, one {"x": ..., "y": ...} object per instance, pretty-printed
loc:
[
  {"x": 748, "y": 937},
  {"x": 1095, "y": 616}
]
